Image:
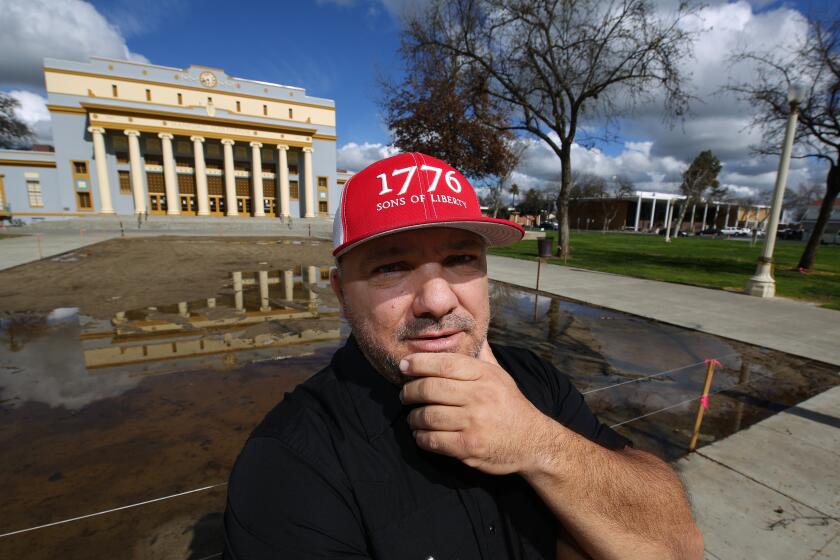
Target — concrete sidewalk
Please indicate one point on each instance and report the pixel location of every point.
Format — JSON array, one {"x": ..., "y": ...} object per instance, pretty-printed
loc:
[
  {"x": 790, "y": 326},
  {"x": 771, "y": 491},
  {"x": 15, "y": 251}
]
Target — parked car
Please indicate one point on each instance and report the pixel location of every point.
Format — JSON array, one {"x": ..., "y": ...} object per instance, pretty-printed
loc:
[
  {"x": 790, "y": 233},
  {"x": 709, "y": 231},
  {"x": 735, "y": 232}
]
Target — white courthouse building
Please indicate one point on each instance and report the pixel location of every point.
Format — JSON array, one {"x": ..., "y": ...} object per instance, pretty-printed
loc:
[{"x": 133, "y": 138}]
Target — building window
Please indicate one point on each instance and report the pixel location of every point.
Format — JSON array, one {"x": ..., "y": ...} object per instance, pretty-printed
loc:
[
  {"x": 80, "y": 167},
  {"x": 180, "y": 99},
  {"x": 291, "y": 115},
  {"x": 323, "y": 207},
  {"x": 148, "y": 94},
  {"x": 209, "y": 100},
  {"x": 293, "y": 190},
  {"x": 238, "y": 107},
  {"x": 114, "y": 92},
  {"x": 322, "y": 182},
  {"x": 33, "y": 189},
  {"x": 265, "y": 110},
  {"x": 293, "y": 170},
  {"x": 125, "y": 182},
  {"x": 85, "y": 202},
  {"x": 122, "y": 157}
]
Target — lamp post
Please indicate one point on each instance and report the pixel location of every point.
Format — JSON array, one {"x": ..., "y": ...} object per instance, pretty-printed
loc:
[{"x": 762, "y": 283}]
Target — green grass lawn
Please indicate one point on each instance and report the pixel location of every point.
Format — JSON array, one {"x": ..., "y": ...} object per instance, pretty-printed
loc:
[{"x": 711, "y": 263}]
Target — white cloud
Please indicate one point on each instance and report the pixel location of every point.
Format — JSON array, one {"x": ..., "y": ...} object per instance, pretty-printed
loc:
[
  {"x": 33, "y": 111},
  {"x": 35, "y": 29},
  {"x": 355, "y": 157}
]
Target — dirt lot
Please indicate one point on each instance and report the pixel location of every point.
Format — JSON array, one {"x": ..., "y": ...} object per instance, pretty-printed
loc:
[{"x": 122, "y": 274}]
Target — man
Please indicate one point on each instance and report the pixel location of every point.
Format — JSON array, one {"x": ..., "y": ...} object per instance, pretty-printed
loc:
[{"x": 422, "y": 440}]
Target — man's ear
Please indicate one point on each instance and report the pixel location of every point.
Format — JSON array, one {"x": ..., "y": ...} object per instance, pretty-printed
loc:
[{"x": 335, "y": 285}]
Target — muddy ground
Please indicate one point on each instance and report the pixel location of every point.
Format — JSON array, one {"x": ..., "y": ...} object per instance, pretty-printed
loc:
[{"x": 120, "y": 274}]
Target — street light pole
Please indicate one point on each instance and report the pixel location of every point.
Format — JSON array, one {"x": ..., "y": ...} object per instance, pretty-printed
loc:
[{"x": 762, "y": 283}]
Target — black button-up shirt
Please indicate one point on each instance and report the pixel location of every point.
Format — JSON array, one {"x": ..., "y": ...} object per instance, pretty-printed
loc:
[{"x": 334, "y": 472}]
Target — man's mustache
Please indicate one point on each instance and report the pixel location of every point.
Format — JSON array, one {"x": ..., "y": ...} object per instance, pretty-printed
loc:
[{"x": 424, "y": 325}]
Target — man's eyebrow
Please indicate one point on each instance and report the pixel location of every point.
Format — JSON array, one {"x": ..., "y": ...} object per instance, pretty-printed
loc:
[
  {"x": 463, "y": 244},
  {"x": 390, "y": 252}
]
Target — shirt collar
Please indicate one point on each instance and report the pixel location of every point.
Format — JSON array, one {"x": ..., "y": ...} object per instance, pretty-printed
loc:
[{"x": 377, "y": 400}]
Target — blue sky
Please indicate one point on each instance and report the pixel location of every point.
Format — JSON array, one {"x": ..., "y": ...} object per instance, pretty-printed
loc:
[
  {"x": 333, "y": 50},
  {"x": 339, "y": 49}
]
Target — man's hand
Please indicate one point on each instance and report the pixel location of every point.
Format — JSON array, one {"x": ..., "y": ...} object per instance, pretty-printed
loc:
[{"x": 472, "y": 410}]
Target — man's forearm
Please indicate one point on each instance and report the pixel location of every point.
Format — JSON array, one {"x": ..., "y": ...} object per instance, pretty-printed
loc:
[{"x": 616, "y": 504}]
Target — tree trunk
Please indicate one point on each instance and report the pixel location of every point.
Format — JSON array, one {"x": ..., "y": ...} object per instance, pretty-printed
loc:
[
  {"x": 563, "y": 200},
  {"x": 832, "y": 188},
  {"x": 683, "y": 209}
]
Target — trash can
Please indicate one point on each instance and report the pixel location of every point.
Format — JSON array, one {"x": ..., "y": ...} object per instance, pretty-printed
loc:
[{"x": 545, "y": 247}]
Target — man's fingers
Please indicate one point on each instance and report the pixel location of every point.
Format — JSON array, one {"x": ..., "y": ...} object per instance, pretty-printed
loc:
[
  {"x": 436, "y": 390},
  {"x": 441, "y": 364},
  {"x": 445, "y": 443},
  {"x": 436, "y": 417}
]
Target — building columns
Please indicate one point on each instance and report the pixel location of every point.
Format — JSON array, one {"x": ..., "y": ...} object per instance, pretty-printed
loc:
[
  {"x": 638, "y": 213},
  {"x": 693, "y": 208},
  {"x": 102, "y": 181},
  {"x": 200, "y": 176},
  {"x": 283, "y": 175},
  {"x": 256, "y": 179},
  {"x": 136, "y": 171},
  {"x": 308, "y": 185},
  {"x": 652, "y": 212},
  {"x": 170, "y": 179},
  {"x": 230, "y": 178},
  {"x": 726, "y": 220}
]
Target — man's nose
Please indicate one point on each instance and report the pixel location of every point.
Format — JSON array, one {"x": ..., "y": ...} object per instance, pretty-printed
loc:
[{"x": 433, "y": 294}]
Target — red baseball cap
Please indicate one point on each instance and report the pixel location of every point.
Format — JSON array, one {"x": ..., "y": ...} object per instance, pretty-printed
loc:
[{"x": 412, "y": 191}]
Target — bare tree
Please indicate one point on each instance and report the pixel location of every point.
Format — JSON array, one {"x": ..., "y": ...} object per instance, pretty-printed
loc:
[
  {"x": 550, "y": 64},
  {"x": 814, "y": 64},
  {"x": 797, "y": 200},
  {"x": 620, "y": 189}
]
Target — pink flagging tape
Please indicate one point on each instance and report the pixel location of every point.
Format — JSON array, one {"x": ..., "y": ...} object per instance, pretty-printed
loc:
[
  {"x": 704, "y": 401},
  {"x": 715, "y": 361}
]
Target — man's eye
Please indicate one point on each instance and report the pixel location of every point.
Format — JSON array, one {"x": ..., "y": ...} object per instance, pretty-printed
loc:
[
  {"x": 388, "y": 268},
  {"x": 461, "y": 259}
]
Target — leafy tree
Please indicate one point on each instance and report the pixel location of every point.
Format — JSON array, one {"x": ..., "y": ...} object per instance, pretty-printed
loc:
[
  {"x": 514, "y": 190},
  {"x": 13, "y": 131},
  {"x": 434, "y": 111},
  {"x": 545, "y": 66},
  {"x": 814, "y": 65},
  {"x": 534, "y": 203},
  {"x": 700, "y": 180}
]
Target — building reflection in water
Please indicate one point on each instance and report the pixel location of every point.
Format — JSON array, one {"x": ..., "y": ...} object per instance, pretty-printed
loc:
[{"x": 72, "y": 359}]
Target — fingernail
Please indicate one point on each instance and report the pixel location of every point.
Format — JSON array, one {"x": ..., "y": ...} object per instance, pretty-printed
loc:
[{"x": 403, "y": 365}]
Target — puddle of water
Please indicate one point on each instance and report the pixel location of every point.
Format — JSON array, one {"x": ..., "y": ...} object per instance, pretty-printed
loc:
[
  {"x": 608, "y": 352},
  {"x": 98, "y": 414}
]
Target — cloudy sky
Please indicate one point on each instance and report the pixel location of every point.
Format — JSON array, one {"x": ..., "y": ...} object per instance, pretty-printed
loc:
[{"x": 340, "y": 49}]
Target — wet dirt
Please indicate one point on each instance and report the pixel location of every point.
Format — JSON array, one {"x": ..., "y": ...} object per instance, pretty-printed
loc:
[{"x": 120, "y": 274}]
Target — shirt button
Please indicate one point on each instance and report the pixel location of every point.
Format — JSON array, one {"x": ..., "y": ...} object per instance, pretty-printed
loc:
[{"x": 491, "y": 529}]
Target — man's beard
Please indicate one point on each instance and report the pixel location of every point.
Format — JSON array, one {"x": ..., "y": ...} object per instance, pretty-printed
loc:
[{"x": 387, "y": 363}]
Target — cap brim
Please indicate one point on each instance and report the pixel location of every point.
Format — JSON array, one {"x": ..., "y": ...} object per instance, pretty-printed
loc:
[{"x": 494, "y": 231}]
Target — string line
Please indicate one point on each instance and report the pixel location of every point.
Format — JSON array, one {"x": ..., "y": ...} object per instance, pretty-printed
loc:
[
  {"x": 89, "y": 515},
  {"x": 677, "y": 404},
  {"x": 651, "y": 376}
]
